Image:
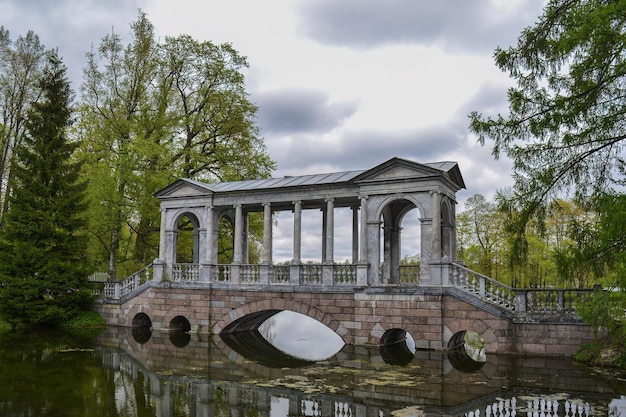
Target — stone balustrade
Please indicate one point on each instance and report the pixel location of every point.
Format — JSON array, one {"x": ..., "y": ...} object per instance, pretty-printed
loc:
[{"x": 524, "y": 303}]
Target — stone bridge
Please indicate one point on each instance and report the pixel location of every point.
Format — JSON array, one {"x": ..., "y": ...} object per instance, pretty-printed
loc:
[{"x": 366, "y": 300}]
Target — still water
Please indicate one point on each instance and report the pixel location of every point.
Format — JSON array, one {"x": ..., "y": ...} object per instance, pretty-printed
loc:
[{"x": 123, "y": 373}]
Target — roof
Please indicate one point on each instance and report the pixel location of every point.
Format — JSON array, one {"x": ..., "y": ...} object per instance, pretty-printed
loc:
[{"x": 447, "y": 168}]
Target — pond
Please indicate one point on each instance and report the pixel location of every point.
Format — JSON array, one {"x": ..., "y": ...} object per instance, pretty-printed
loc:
[{"x": 133, "y": 372}]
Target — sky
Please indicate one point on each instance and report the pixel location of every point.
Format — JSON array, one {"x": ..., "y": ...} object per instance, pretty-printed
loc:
[{"x": 340, "y": 85}]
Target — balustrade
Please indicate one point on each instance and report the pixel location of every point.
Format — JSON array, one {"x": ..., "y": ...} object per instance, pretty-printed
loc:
[
  {"x": 409, "y": 274},
  {"x": 280, "y": 274},
  {"x": 117, "y": 289},
  {"x": 311, "y": 274},
  {"x": 344, "y": 274},
  {"x": 185, "y": 272},
  {"x": 249, "y": 274},
  {"x": 483, "y": 287},
  {"x": 547, "y": 301}
]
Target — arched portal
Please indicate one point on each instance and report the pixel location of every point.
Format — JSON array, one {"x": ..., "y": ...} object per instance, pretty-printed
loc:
[
  {"x": 187, "y": 239},
  {"x": 392, "y": 215}
]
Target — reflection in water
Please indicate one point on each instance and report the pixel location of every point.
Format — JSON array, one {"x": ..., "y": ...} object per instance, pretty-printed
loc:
[
  {"x": 397, "y": 347},
  {"x": 470, "y": 343},
  {"x": 253, "y": 346},
  {"x": 301, "y": 336},
  {"x": 464, "y": 362},
  {"x": 179, "y": 338},
  {"x": 117, "y": 376},
  {"x": 141, "y": 334}
]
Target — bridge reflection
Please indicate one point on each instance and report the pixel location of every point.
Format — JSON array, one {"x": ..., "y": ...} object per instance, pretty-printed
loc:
[{"x": 207, "y": 377}]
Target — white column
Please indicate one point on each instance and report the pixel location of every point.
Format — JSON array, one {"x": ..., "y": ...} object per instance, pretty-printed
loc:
[
  {"x": 355, "y": 234},
  {"x": 211, "y": 237},
  {"x": 435, "y": 248},
  {"x": 162, "y": 235},
  {"x": 238, "y": 238},
  {"x": 330, "y": 229},
  {"x": 297, "y": 232},
  {"x": 363, "y": 253},
  {"x": 267, "y": 233}
]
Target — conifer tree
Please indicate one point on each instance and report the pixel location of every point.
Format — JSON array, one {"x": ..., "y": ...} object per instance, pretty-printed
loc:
[{"x": 43, "y": 280}]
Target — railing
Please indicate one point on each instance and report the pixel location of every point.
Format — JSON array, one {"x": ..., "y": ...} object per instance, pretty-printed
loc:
[
  {"x": 311, "y": 274},
  {"x": 482, "y": 286},
  {"x": 344, "y": 274},
  {"x": 249, "y": 274},
  {"x": 221, "y": 274},
  {"x": 522, "y": 302},
  {"x": 545, "y": 301},
  {"x": 280, "y": 274},
  {"x": 409, "y": 274},
  {"x": 542, "y": 301},
  {"x": 117, "y": 289},
  {"x": 185, "y": 272}
]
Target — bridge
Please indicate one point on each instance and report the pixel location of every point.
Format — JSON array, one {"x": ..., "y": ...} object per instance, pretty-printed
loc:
[{"x": 367, "y": 299}]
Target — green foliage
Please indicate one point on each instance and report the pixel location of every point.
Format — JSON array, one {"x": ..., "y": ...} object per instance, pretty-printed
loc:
[
  {"x": 605, "y": 311},
  {"x": 21, "y": 63},
  {"x": 151, "y": 113},
  {"x": 88, "y": 318},
  {"x": 42, "y": 273},
  {"x": 565, "y": 126}
]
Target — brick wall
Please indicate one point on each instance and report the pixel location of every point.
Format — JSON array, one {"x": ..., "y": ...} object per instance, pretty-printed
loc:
[{"x": 360, "y": 317}]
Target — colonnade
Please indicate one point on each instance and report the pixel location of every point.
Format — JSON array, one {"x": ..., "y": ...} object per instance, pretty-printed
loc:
[{"x": 379, "y": 198}]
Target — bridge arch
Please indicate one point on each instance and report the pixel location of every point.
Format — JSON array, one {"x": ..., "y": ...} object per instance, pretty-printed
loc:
[{"x": 258, "y": 306}]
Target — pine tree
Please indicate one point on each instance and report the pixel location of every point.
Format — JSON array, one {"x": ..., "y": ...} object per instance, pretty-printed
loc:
[{"x": 43, "y": 279}]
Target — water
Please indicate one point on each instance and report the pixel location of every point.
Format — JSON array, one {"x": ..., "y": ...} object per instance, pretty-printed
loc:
[{"x": 133, "y": 373}]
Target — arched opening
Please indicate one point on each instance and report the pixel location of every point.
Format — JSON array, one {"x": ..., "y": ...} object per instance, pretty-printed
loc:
[
  {"x": 179, "y": 331},
  {"x": 180, "y": 323},
  {"x": 141, "y": 320},
  {"x": 187, "y": 241},
  {"x": 141, "y": 328},
  {"x": 466, "y": 351},
  {"x": 225, "y": 241},
  {"x": 397, "y": 347},
  {"x": 448, "y": 231},
  {"x": 275, "y": 337},
  {"x": 400, "y": 256}
]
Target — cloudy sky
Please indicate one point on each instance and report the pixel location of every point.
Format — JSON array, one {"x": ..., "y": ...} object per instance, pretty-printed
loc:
[{"x": 340, "y": 84}]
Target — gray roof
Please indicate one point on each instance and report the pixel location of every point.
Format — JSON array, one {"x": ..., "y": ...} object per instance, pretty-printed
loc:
[{"x": 445, "y": 167}]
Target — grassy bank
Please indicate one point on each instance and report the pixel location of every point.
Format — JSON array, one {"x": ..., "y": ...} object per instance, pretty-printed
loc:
[
  {"x": 84, "y": 320},
  {"x": 609, "y": 351}
]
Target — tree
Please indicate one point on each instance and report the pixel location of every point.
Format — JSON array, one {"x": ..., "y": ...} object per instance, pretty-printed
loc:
[
  {"x": 20, "y": 66},
  {"x": 152, "y": 113},
  {"x": 42, "y": 272},
  {"x": 565, "y": 132},
  {"x": 565, "y": 128}
]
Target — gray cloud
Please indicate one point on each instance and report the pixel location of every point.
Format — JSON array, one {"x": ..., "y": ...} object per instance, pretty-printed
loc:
[
  {"x": 458, "y": 25},
  {"x": 300, "y": 110},
  {"x": 362, "y": 149},
  {"x": 72, "y": 26}
]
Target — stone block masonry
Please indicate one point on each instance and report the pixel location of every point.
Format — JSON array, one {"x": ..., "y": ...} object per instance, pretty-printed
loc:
[{"x": 359, "y": 316}]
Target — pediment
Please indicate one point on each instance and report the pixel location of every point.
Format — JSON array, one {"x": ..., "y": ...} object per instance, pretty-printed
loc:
[
  {"x": 397, "y": 168},
  {"x": 402, "y": 169},
  {"x": 183, "y": 188}
]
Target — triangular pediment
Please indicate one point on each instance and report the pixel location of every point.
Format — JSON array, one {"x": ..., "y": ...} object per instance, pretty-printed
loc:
[
  {"x": 184, "y": 188},
  {"x": 402, "y": 169},
  {"x": 397, "y": 168}
]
